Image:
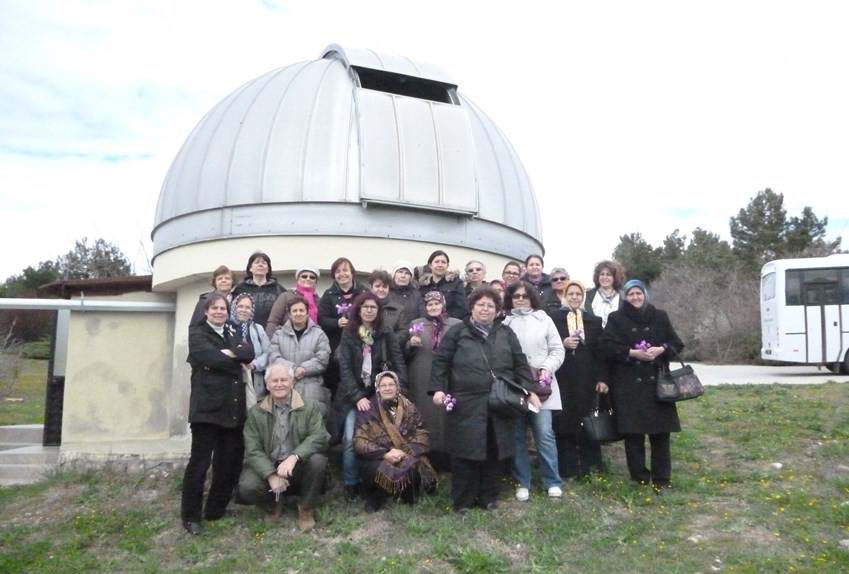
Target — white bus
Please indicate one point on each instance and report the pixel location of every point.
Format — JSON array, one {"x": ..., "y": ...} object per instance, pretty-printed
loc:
[{"x": 805, "y": 311}]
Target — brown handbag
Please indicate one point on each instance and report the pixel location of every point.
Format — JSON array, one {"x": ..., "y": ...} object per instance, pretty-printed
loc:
[{"x": 678, "y": 384}]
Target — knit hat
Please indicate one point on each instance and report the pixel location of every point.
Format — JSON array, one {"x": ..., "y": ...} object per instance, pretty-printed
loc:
[
  {"x": 434, "y": 296},
  {"x": 402, "y": 265},
  {"x": 310, "y": 269},
  {"x": 636, "y": 284}
]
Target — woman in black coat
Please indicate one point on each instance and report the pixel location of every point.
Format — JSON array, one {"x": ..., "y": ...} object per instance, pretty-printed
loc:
[
  {"x": 478, "y": 439},
  {"x": 364, "y": 338},
  {"x": 216, "y": 413},
  {"x": 449, "y": 283},
  {"x": 581, "y": 376},
  {"x": 333, "y": 313},
  {"x": 636, "y": 343},
  {"x": 261, "y": 285}
]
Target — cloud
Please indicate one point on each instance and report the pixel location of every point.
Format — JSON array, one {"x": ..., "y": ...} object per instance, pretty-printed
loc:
[{"x": 628, "y": 117}]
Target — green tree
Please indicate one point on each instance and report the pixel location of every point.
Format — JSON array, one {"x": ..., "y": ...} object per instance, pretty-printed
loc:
[
  {"x": 97, "y": 261},
  {"x": 807, "y": 233},
  {"x": 761, "y": 231},
  {"x": 673, "y": 246},
  {"x": 640, "y": 259},
  {"x": 706, "y": 249},
  {"x": 30, "y": 279},
  {"x": 758, "y": 229}
]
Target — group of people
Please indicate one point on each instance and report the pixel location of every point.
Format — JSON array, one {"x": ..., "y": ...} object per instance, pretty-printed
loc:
[{"x": 399, "y": 370}]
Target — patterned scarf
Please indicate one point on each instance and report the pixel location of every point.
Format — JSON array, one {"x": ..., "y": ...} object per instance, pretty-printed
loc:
[
  {"x": 575, "y": 317},
  {"x": 367, "y": 337},
  {"x": 436, "y": 322},
  {"x": 243, "y": 326}
]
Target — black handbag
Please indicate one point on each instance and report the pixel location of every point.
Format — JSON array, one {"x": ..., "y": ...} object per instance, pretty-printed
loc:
[
  {"x": 600, "y": 425},
  {"x": 678, "y": 384},
  {"x": 507, "y": 399}
]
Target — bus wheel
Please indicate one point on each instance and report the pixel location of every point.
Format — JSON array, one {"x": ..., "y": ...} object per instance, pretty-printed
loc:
[{"x": 844, "y": 368}]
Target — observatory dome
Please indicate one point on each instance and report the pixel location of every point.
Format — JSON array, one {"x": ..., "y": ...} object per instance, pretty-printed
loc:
[{"x": 352, "y": 144}]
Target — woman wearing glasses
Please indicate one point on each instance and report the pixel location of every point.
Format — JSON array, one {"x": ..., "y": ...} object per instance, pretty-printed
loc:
[
  {"x": 366, "y": 348},
  {"x": 511, "y": 272},
  {"x": 461, "y": 379},
  {"x": 543, "y": 347},
  {"x": 305, "y": 281},
  {"x": 557, "y": 298}
]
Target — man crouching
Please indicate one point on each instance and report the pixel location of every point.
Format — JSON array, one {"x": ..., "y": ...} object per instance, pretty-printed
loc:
[{"x": 285, "y": 442}]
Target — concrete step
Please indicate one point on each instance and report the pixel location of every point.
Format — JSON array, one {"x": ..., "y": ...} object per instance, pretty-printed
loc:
[
  {"x": 29, "y": 472},
  {"x": 35, "y": 454},
  {"x": 14, "y": 481},
  {"x": 11, "y": 445},
  {"x": 27, "y": 434}
]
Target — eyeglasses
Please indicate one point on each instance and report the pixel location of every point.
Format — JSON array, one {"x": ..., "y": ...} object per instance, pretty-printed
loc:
[
  {"x": 474, "y": 270},
  {"x": 309, "y": 276},
  {"x": 482, "y": 305},
  {"x": 553, "y": 279},
  {"x": 520, "y": 296}
]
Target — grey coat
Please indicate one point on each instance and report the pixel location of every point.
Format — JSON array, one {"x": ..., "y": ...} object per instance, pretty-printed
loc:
[
  {"x": 312, "y": 352},
  {"x": 419, "y": 364}
]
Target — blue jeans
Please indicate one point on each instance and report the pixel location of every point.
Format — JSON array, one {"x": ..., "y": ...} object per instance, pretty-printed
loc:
[
  {"x": 546, "y": 449},
  {"x": 350, "y": 475}
]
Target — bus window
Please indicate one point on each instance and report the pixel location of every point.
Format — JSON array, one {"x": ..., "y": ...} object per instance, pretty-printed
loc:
[
  {"x": 822, "y": 287},
  {"x": 793, "y": 287},
  {"x": 768, "y": 287},
  {"x": 844, "y": 274}
]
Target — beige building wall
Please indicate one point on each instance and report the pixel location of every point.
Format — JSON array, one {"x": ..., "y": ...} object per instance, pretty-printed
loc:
[{"x": 118, "y": 383}]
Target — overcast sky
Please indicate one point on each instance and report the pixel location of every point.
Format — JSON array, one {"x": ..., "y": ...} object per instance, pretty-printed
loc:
[{"x": 628, "y": 116}]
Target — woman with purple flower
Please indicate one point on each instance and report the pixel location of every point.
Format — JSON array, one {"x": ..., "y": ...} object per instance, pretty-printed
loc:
[
  {"x": 543, "y": 347},
  {"x": 333, "y": 311},
  {"x": 636, "y": 343},
  {"x": 421, "y": 343},
  {"x": 582, "y": 375},
  {"x": 469, "y": 355},
  {"x": 366, "y": 348}
]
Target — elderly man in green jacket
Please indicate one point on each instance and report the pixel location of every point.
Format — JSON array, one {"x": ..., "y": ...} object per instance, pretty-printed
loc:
[{"x": 285, "y": 445}]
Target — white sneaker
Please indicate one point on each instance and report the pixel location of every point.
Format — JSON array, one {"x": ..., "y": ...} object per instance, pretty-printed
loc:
[
  {"x": 553, "y": 492},
  {"x": 522, "y": 494}
]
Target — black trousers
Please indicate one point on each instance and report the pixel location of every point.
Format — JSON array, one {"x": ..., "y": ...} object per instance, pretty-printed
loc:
[
  {"x": 661, "y": 458},
  {"x": 476, "y": 481},
  {"x": 224, "y": 448},
  {"x": 307, "y": 481},
  {"x": 577, "y": 455}
]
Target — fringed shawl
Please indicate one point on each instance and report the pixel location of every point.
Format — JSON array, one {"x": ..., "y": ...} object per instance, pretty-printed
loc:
[{"x": 377, "y": 432}]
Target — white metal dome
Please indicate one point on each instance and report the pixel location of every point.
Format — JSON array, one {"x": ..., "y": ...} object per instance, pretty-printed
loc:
[{"x": 351, "y": 144}]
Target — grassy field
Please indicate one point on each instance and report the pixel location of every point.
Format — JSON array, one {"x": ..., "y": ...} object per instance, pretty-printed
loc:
[
  {"x": 731, "y": 510},
  {"x": 31, "y": 387}
]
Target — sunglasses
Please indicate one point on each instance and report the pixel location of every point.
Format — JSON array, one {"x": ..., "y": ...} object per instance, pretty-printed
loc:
[
  {"x": 559, "y": 279},
  {"x": 309, "y": 276},
  {"x": 475, "y": 270},
  {"x": 520, "y": 296}
]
